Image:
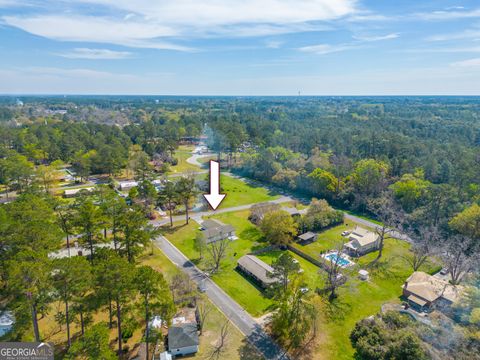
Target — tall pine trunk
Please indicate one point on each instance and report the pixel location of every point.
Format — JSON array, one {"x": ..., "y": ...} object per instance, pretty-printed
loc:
[
  {"x": 82, "y": 323},
  {"x": 119, "y": 328},
  {"x": 147, "y": 330},
  {"x": 36, "y": 331},
  {"x": 67, "y": 320},
  {"x": 110, "y": 315},
  {"x": 186, "y": 211},
  {"x": 68, "y": 244},
  {"x": 90, "y": 241}
]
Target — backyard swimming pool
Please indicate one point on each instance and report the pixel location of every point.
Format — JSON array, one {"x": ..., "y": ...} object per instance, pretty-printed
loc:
[{"x": 340, "y": 260}]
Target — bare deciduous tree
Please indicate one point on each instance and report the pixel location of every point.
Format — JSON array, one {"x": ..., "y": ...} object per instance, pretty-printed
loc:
[
  {"x": 334, "y": 278},
  {"x": 218, "y": 251},
  {"x": 425, "y": 242},
  {"x": 222, "y": 341},
  {"x": 460, "y": 255},
  {"x": 391, "y": 217},
  {"x": 182, "y": 287}
]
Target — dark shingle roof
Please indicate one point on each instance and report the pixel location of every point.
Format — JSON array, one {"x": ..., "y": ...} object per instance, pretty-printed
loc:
[{"x": 182, "y": 335}]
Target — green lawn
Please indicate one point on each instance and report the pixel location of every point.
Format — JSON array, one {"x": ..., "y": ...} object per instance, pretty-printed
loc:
[
  {"x": 357, "y": 299},
  {"x": 362, "y": 217},
  {"x": 182, "y": 154},
  {"x": 327, "y": 240},
  {"x": 240, "y": 193},
  {"x": 310, "y": 271},
  {"x": 234, "y": 283}
]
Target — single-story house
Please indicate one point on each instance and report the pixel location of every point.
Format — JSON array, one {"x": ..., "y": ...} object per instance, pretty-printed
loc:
[
  {"x": 183, "y": 339},
  {"x": 127, "y": 185},
  {"x": 307, "y": 237},
  {"x": 257, "y": 269},
  {"x": 362, "y": 241},
  {"x": 425, "y": 292},
  {"x": 70, "y": 193},
  {"x": 214, "y": 230},
  {"x": 258, "y": 211}
]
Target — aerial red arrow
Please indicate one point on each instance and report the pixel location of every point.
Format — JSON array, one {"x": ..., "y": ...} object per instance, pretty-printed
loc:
[{"x": 214, "y": 198}]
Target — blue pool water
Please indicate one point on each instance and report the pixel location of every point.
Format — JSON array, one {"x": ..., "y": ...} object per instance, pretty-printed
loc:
[{"x": 339, "y": 260}]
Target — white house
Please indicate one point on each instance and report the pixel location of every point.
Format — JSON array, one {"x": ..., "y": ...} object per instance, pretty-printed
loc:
[
  {"x": 69, "y": 193},
  {"x": 362, "y": 241},
  {"x": 183, "y": 339},
  {"x": 127, "y": 185},
  {"x": 214, "y": 230}
]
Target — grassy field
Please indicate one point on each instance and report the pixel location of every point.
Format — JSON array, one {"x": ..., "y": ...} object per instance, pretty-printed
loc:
[
  {"x": 234, "y": 283},
  {"x": 182, "y": 154},
  {"x": 357, "y": 299},
  {"x": 240, "y": 193},
  {"x": 327, "y": 240}
]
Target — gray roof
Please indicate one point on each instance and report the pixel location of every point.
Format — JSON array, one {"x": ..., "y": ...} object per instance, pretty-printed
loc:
[
  {"x": 213, "y": 228},
  {"x": 182, "y": 335},
  {"x": 257, "y": 267},
  {"x": 307, "y": 236},
  {"x": 211, "y": 223}
]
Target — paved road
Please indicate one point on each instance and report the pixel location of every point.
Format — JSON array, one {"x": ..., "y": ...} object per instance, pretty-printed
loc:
[
  {"x": 199, "y": 214},
  {"x": 247, "y": 325},
  {"x": 194, "y": 158}
]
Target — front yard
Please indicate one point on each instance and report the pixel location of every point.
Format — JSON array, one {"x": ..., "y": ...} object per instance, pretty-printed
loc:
[
  {"x": 246, "y": 293},
  {"x": 182, "y": 154},
  {"x": 357, "y": 299},
  {"x": 241, "y": 193}
]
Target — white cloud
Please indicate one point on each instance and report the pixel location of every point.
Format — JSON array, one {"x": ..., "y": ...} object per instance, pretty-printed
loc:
[
  {"x": 467, "y": 63},
  {"x": 226, "y": 12},
  {"x": 96, "y": 29},
  {"x": 95, "y": 54},
  {"x": 323, "y": 49},
  {"x": 377, "y": 38},
  {"x": 452, "y": 14},
  {"x": 273, "y": 44},
  {"x": 473, "y": 33},
  {"x": 443, "y": 49},
  {"x": 159, "y": 24}
]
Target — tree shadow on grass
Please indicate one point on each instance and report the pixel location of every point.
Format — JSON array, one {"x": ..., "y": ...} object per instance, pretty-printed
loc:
[
  {"x": 383, "y": 270},
  {"x": 337, "y": 310},
  {"x": 166, "y": 229},
  {"x": 252, "y": 234}
]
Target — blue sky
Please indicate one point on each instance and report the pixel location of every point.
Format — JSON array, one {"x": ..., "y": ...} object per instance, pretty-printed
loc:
[{"x": 240, "y": 47}]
